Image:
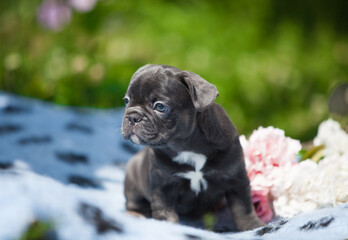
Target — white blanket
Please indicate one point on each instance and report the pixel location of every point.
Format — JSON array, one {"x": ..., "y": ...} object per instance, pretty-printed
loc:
[{"x": 65, "y": 166}]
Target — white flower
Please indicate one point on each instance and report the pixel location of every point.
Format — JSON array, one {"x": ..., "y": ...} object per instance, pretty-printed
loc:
[
  {"x": 309, "y": 186},
  {"x": 333, "y": 137},
  {"x": 83, "y": 5}
]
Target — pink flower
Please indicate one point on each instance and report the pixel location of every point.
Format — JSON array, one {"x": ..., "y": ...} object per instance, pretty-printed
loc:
[
  {"x": 54, "y": 14},
  {"x": 268, "y": 155},
  {"x": 262, "y": 204}
]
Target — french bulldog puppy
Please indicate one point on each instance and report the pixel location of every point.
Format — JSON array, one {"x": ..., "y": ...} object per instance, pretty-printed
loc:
[{"x": 193, "y": 159}]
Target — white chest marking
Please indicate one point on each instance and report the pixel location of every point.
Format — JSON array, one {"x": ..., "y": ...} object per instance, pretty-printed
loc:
[{"x": 196, "y": 178}]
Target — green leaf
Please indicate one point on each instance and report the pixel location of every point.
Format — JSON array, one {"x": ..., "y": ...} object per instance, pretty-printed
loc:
[
  {"x": 315, "y": 154},
  {"x": 38, "y": 231},
  {"x": 209, "y": 221}
]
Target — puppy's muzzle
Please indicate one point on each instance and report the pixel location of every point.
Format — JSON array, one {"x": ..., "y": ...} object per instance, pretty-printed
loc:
[{"x": 134, "y": 116}]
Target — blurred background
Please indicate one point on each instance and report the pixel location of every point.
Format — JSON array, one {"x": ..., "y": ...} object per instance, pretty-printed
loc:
[{"x": 274, "y": 62}]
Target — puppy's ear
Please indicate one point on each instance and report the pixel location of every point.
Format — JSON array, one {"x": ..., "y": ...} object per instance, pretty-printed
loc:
[{"x": 202, "y": 92}]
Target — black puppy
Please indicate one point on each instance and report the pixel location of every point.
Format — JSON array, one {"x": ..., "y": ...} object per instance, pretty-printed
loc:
[{"x": 193, "y": 159}]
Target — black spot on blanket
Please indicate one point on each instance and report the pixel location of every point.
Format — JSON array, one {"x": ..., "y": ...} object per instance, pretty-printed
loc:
[
  {"x": 15, "y": 109},
  {"x": 271, "y": 228},
  {"x": 72, "y": 158},
  {"x": 95, "y": 216},
  {"x": 324, "y": 222},
  {"x": 83, "y": 181},
  {"x": 9, "y": 128},
  {"x": 192, "y": 237},
  {"x": 281, "y": 222},
  {"x": 5, "y": 165},
  {"x": 321, "y": 223},
  {"x": 35, "y": 140},
  {"x": 78, "y": 128},
  {"x": 265, "y": 230}
]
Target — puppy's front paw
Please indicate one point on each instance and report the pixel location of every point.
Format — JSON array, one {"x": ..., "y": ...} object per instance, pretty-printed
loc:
[
  {"x": 167, "y": 215},
  {"x": 135, "y": 214}
]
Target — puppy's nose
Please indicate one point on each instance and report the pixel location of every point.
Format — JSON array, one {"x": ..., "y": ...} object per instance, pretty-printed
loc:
[{"x": 134, "y": 118}]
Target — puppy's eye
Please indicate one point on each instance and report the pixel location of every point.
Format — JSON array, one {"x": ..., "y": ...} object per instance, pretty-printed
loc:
[
  {"x": 126, "y": 100},
  {"x": 160, "y": 107}
]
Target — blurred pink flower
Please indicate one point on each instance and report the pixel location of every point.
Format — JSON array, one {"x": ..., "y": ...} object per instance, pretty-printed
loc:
[
  {"x": 262, "y": 204},
  {"x": 82, "y": 5},
  {"x": 54, "y": 14},
  {"x": 268, "y": 155}
]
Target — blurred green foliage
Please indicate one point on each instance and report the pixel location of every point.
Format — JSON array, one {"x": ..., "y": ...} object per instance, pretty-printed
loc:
[
  {"x": 274, "y": 62},
  {"x": 39, "y": 230}
]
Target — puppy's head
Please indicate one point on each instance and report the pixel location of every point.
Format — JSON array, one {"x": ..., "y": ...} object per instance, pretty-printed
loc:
[{"x": 162, "y": 103}]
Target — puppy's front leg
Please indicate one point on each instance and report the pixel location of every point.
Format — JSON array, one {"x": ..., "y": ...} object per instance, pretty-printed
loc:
[
  {"x": 161, "y": 210},
  {"x": 242, "y": 208}
]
